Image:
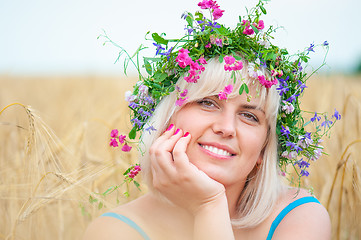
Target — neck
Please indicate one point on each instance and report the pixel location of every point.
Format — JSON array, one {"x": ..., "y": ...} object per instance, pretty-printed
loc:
[{"x": 233, "y": 194}]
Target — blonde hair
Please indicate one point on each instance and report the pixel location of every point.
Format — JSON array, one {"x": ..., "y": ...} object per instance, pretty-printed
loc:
[{"x": 263, "y": 186}]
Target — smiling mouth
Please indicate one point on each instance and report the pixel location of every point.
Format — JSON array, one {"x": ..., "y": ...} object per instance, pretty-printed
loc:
[{"x": 217, "y": 151}]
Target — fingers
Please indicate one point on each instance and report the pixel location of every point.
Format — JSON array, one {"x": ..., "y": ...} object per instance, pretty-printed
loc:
[
  {"x": 161, "y": 152},
  {"x": 180, "y": 157}
]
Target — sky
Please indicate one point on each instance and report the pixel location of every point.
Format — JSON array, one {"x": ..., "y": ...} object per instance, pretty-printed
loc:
[{"x": 60, "y": 36}]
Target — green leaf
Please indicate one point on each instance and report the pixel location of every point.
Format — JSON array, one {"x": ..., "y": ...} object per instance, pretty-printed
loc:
[
  {"x": 221, "y": 58},
  {"x": 263, "y": 9},
  {"x": 255, "y": 29},
  {"x": 159, "y": 39},
  {"x": 137, "y": 185},
  {"x": 189, "y": 21},
  {"x": 92, "y": 200},
  {"x": 284, "y": 51},
  {"x": 104, "y": 193},
  {"x": 100, "y": 205},
  {"x": 237, "y": 57},
  {"x": 222, "y": 30},
  {"x": 240, "y": 19},
  {"x": 304, "y": 125},
  {"x": 246, "y": 88},
  {"x": 148, "y": 67},
  {"x": 199, "y": 16},
  {"x": 160, "y": 77},
  {"x": 133, "y": 133},
  {"x": 241, "y": 89},
  {"x": 171, "y": 89}
]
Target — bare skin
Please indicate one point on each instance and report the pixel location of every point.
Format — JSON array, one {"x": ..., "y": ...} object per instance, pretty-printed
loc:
[{"x": 202, "y": 175}]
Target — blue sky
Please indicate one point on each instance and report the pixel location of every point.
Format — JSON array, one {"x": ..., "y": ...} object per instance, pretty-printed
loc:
[{"x": 60, "y": 37}]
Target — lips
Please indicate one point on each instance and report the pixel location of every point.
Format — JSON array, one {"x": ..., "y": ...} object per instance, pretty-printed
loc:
[{"x": 218, "y": 149}]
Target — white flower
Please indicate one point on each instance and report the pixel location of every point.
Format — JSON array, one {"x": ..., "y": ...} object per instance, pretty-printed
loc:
[{"x": 129, "y": 97}]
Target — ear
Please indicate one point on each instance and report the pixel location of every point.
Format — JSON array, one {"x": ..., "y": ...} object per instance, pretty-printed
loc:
[{"x": 260, "y": 158}]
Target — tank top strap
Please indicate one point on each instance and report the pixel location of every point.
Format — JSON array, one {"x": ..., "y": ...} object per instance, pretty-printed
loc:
[
  {"x": 127, "y": 221},
  {"x": 286, "y": 210}
]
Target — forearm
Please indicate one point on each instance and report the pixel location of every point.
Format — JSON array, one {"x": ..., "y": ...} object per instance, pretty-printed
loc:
[{"x": 212, "y": 221}]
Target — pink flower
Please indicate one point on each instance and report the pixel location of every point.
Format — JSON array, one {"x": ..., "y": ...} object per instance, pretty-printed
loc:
[
  {"x": 205, "y": 4},
  {"x": 219, "y": 42},
  {"x": 208, "y": 45},
  {"x": 183, "y": 58},
  {"x": 201, "y": 60},
  {"x": 228, "y": 89},
  {"x": 217, "y": 13},
  {"x": 237, "y": 66},
  {"x": 122, "y": 139},
  {"x": 260, "y": 25},
  {"x": 248, "y": 30},
  {"x": 245, "y": 22},
  {"x": 184, "y": 93},
  {"x": 229, "y": 59},
  {"x": 114, "y": 133},
  {"x": 113, "y": 142},
  {"x": 222, "y": 95},
  {"x": 180, "y": 101},
  {"x": 267, "y": 83},
  {"x": 126, "y": 148},
  {"x": 227, "y": 67}
]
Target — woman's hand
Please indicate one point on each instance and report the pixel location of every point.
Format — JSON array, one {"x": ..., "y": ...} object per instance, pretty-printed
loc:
[{"x": 177, "y": 178}]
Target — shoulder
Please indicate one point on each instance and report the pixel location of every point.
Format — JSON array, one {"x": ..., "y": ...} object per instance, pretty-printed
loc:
[
  {"x": 306, "y": 221},
  {"x": 109, "y": 227}
]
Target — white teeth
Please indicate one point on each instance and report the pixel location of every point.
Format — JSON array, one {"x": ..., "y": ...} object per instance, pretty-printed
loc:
[{"x": 216, "y": 150}]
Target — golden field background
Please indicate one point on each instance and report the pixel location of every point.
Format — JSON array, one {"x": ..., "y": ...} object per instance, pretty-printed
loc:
[{"x": 54, "y": 153}]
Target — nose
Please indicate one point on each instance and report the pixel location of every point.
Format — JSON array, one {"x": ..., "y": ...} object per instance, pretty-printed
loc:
[{"x": 225, "y": 125}]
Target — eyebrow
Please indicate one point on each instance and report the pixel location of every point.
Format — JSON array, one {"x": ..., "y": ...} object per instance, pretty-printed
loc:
[{"x": 254, "y": 107}]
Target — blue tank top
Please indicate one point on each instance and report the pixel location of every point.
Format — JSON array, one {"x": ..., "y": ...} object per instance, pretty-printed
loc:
[{"x": 274, "y": 225}]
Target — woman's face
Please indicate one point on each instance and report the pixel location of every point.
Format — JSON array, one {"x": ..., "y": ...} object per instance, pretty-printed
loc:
[{"x": 227, "y": 136}]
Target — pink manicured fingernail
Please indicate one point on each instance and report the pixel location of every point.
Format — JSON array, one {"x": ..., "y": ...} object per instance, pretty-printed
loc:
[
  {"x": 177, "y": 131},
  {"x": 170, "y": 127},
  {"x": 186, "y": 135}
]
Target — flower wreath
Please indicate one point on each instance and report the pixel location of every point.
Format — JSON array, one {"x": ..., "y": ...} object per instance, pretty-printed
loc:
[{"x": 204, "y": 39}]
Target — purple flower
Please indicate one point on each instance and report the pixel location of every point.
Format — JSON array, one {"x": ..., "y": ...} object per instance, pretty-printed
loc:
[
  {"x": 285, "y": 131},
  {"x": 189, "y": 30},
  {"x": 314, "y": 118},
  {"x": 167, "y": 53},
  {"x": 133, "y": 105},
  {"x": 292, "y": 98},
  {"x": 310, "y": 48},
  {"x": 337, "y": 115},
  {"x": 302, "y": 164},
  {"x": 294, "y": 146},
  {"x": 150, "y": 129},
  {"x": 159, "y": 48},
  {"x": 326, "y": 123},
  {"x": 136, "y": 121},
  {"x": 304, "y": 173},
  {"x": 287, "y": 107},
  {"x": 325, "y": 43},
  {"x": 283, "y": 86},
  {"x": 301, "y": 85}
]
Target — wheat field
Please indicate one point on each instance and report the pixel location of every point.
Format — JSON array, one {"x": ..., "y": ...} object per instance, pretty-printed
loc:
[{"x": 55, "y": 160}]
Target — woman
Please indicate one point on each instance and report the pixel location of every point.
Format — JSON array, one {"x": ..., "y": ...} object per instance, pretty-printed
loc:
[
  {"x": 212, "y": 165},
  {"x": 199, "y": 166}
]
